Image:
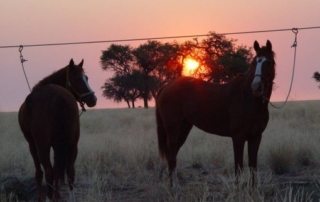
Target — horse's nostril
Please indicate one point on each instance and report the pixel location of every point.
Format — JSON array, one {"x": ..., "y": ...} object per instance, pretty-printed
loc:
[{"x": 91, "y": 101}]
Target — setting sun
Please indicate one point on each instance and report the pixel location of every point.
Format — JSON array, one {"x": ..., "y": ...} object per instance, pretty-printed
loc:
[{"x": 190, "y": 66}]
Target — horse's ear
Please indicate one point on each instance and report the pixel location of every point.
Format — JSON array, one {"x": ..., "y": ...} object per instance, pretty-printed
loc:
[
  {"x": 71, "y": 63},
  {"x": 269, "y": 46},
  {"x": 81, "y": 63},
  {"x": 256, "y": 46}
]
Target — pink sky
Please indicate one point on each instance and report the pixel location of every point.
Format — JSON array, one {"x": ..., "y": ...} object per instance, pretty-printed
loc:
[{"x": 33, "y": 21}]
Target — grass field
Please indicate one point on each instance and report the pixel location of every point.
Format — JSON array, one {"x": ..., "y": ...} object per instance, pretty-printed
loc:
[{"x": 118, "y": 160}]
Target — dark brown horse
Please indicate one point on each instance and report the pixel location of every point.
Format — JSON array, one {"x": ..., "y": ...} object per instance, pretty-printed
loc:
[
  {"x": 238, "y": 110},
  {"x": 49, "y": 118}
]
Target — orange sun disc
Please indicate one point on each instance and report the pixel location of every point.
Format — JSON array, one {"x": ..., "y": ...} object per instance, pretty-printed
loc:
[{"x": 190, "y": 66}]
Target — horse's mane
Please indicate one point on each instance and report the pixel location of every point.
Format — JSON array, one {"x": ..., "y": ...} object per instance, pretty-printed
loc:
[{"x": 57, "y": 77}]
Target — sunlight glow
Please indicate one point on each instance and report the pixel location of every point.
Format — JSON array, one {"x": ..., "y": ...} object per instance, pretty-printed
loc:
[{"x": 190, "y": 66}]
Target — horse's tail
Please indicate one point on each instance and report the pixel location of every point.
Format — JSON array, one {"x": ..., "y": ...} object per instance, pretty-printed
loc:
[{"x": 162, "y": 137}]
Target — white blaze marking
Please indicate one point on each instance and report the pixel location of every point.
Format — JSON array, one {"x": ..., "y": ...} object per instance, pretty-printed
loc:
[
  {"x": 257, "y": 75},
  {"x": 86, "y": 82}
]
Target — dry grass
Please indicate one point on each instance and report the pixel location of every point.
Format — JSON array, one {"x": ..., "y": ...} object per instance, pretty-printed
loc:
[{"x": 118, "y": 159}]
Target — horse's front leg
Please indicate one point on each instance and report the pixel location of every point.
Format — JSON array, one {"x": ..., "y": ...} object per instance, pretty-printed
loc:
[
  {"x": 253, "y": 147},
  {"x": 238, "y": 146}
]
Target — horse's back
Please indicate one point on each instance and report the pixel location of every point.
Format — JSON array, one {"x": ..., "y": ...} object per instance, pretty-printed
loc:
[
  {"x": 50, "y": 111},
  {"x": 200, "y": 103}
]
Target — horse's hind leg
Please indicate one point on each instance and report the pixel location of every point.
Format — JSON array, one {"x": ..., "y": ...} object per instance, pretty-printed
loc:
[
  {"x": 44, "y": 154},
  {"x": 38, "y": 172},
  {"x": 72, "y": 155},
  {"x": 59, "y": 163}
]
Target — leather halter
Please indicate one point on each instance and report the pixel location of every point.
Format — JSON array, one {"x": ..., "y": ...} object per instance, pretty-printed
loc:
[
  {"x": 259, "y": 78},
  {"x": 79, "y": 96}
]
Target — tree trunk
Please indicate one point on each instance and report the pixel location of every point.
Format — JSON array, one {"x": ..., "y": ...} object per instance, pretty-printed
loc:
[
  {"x": 146, "y": 91},
  {"x": 132, "y": 103},
  {"x": 145, "y": 101},
  {"x": 128, "y": 103}
]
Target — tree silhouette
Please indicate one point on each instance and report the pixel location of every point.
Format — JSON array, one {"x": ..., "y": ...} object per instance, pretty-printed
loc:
[
  {"x": 220, "y": 59},
  {"x": 139, "y": 73},
  {"x": 153, "y": 59},
  {"x": 118, "y": 58},
  {"x": 316, "y": 76},
  {"x": 223, "y": 58},
  {"x": 168, "y": 69},
  {"x": 123, "y": 87},
  {"x": 232, "y": 64}
]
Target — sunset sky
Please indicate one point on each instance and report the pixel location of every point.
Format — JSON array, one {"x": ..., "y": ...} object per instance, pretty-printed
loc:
[{"x": 34, "y": 21}]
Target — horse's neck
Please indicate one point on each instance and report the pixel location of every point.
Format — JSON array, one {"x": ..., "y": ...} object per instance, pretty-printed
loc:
[
  {"x": 242, "y": 84},
  {"x": 57, "y": 78}
]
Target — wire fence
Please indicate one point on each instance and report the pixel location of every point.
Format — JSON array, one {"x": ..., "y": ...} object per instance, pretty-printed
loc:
[
  {"x": 294, "y": 30},
  {"x": 158, "y": 38}
]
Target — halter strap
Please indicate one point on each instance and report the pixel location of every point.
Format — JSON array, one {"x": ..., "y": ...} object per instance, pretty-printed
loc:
[
  {"x": 258, "y": 73},
  {"x": 260, "y": 61},
  {"x": 78, "y": 96},
  {"x": 69, "y": 86}
]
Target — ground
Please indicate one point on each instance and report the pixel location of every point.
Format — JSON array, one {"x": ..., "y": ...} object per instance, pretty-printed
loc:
[{"x": 118, "y": 160}]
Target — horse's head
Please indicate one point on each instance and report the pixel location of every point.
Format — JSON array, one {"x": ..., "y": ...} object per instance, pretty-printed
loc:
[
  {"x": 263, "y": 71},
  {"x": 77, "y": 83}
]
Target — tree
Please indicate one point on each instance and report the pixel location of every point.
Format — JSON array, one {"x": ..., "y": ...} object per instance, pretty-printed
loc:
[
  {"x": 140, "y": 72},
  {"x": 118, "y": 58},
  {"x": 193, "y": 50},
  {"x": 112, "y": 91},
  {"x": 168, "y": 69},
  {"x": 220, "y": 59},
  {"x": 153, "y": 59},
  {"x": 233, "y": 63},
  {"x": 123, "y": 87},
  {"x": 316, "y": 76}
]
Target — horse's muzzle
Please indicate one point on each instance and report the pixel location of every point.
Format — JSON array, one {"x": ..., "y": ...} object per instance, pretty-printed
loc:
[
  {"x": 257, "y": 90},
  {"x": 256, "y": 87},
  {"x": 90, "y": 100}
]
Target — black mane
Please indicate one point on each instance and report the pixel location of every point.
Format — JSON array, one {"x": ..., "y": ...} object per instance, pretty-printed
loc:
[{"x": 59, "y": 78}]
